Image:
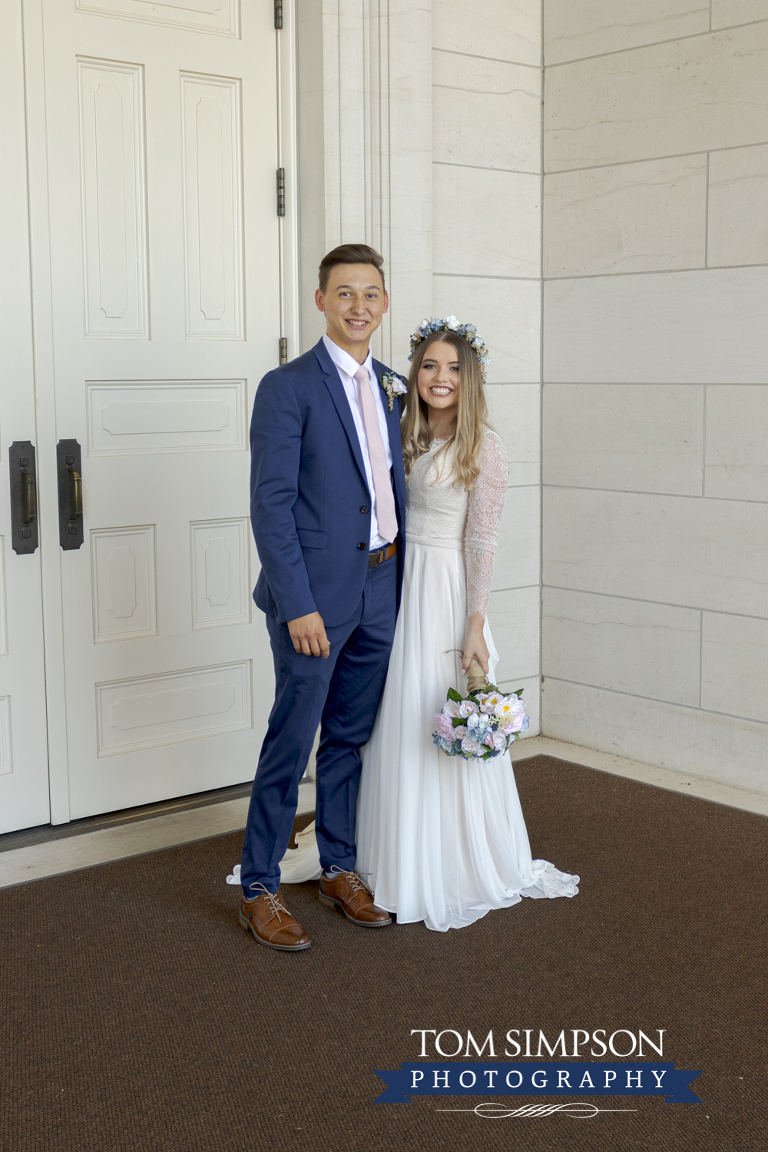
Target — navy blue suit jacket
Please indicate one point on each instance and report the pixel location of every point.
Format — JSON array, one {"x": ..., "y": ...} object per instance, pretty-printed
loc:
[{"x": 310, "y": 505}]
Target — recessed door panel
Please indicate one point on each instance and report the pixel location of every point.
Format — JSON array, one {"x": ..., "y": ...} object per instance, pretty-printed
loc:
[
  {"x": 123, "y": 583},
  {"x": 112, "y": 174},
  {"x": 212, "y": 207},
  {"x": 220, "y": 16},
  {"x": 166, "y": 416}
]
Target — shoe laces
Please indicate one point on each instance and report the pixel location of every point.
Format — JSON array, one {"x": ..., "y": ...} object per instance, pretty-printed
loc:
[
  {"x": 273, "y": 900},
  {"x": 354, "y": 879}
]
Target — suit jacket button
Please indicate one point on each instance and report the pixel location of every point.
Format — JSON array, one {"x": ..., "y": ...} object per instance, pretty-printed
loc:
[
  {"x": 361, "y": 546},
  {"x": 365, "y": 509}
]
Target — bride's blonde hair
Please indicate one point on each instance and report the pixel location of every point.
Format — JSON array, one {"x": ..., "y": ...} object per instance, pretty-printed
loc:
[{"x": 471, "y": 417}]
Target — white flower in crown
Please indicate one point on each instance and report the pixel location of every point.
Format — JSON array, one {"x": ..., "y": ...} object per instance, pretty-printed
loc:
[
  {"x": 393, "y": 385},
  {"x": 451, "y": 324}
]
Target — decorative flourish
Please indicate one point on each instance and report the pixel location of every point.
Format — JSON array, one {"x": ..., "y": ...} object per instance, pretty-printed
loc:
[
  {"x": 393, "y": 385},
  {"x": 451, "y": 324},
  {"x": 580, "y": 1110}
]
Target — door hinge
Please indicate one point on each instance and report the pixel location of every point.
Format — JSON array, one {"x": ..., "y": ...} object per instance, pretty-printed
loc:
[
  {"x": 281, "y": 191},
  {"x": 283, "y": 349},
  {"x": 278, "y": 13}
]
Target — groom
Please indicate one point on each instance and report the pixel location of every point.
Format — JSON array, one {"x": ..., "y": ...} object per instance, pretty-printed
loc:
[{"x": 328, "y": 509}]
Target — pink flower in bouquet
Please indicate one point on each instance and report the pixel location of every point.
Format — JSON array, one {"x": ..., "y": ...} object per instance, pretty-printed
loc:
[
  {"x": 459, "y": 731},
  {"x": 444, "y": 726},
  {"x": 471, "y": 747},
  {"x": 496, "y": 740},
  {"x": 514, "y": 725},
  {"x": 451, "y": 708},
  {"x": 467, "y": 707}
]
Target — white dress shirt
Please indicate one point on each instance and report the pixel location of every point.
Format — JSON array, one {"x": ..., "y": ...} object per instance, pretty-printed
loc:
[{"x": 346, "y": 366}]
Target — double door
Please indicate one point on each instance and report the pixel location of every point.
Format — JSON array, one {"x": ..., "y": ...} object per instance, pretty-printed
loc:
[{"x": 142, "y": 308}]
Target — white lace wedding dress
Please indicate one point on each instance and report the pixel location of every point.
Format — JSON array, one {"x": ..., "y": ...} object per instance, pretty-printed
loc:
[
  {"x": 442, "y": 839},
  {"x": 439, "y": 838}
]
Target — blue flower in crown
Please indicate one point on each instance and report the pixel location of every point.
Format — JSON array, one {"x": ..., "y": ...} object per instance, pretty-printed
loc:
[{"x": 451, "y": 324}]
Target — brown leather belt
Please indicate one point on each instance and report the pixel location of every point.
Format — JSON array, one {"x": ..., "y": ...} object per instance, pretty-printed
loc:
[{"x": 378, "y": 557}]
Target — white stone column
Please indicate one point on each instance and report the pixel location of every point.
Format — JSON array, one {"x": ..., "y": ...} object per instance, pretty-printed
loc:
[{"x": 365, "y": 149}]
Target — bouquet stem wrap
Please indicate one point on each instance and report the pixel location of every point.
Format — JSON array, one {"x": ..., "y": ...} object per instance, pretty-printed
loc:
[{"x": 476, "y": 678}]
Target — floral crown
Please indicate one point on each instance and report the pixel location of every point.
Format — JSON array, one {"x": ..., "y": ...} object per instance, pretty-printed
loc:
[{"x": 451, "y": 324}]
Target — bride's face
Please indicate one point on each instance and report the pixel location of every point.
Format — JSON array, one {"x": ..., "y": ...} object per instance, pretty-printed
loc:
[{"x": 438, "y": 380}]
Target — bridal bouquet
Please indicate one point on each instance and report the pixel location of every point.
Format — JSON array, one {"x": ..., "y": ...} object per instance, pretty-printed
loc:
[{"x": 480, "y": 725}]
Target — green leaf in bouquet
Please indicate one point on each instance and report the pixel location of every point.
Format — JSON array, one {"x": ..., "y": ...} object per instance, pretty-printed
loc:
[
  {"x": 458, "y": 721},
  {"x": 519, "y": 692},
  {"x": 454, "y": 695}
]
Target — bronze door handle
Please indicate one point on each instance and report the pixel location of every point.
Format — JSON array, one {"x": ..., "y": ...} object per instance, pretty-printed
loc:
[
  {"x": 28, "y": 499},
  {"x": 76, "y": 493},
  {"x": 21, "y": 459},
  {"x": 68, "y": 460}
]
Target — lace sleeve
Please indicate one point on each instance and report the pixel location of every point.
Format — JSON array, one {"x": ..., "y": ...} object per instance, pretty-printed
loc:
[{"x": 486, "y": 503}]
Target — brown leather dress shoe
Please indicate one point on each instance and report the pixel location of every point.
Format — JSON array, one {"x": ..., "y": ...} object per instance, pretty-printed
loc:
[
  {"x": 348, "y": 891},
  {"x": 267, "y": 917}
]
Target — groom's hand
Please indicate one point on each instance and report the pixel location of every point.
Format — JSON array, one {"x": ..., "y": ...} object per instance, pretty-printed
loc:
[{"x": 308, "y": 635}]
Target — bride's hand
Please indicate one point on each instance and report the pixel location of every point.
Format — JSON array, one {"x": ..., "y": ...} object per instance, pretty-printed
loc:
[{"x": 474, "y": 644}]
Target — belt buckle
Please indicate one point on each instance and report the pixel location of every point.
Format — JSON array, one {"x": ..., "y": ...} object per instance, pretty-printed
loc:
[{"x": 376, "y": 558}]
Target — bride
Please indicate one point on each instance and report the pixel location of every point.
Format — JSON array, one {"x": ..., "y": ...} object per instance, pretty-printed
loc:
[{"x": 441, "y": 839}]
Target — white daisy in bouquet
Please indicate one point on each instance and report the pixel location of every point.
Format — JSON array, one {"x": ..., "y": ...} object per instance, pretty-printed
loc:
[{"x": 481, "y": 725}]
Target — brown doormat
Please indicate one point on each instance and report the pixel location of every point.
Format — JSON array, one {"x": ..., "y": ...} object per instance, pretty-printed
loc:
[{"x": 137, "y": 1015}]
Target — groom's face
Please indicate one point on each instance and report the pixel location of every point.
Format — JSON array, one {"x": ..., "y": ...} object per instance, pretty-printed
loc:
[{"x": 354, "y": 302}]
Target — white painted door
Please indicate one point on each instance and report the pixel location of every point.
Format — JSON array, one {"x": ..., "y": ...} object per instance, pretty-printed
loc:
[
  {"x": 23, "y": 749},
  {"x": 161, "y": 158}
]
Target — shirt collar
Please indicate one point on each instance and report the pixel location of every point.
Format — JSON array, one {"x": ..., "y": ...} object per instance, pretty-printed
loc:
[{"x": 346, "y": 362}]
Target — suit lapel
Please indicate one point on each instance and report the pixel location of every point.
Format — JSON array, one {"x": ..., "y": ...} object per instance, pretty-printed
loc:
[{"x": 339, "y": 397}]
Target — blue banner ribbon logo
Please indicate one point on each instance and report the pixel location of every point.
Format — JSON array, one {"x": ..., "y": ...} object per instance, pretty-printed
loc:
[{"x": 531, "y": 1079}]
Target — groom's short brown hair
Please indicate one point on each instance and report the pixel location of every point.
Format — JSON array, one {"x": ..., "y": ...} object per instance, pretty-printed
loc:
[{"x": 350, "y": 254}]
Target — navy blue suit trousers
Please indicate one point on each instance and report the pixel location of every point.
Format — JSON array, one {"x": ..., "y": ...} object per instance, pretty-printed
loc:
[{"x": 341, "y": 693}]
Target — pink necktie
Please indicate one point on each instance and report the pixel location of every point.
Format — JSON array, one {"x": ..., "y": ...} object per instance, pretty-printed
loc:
[{"x": 382, "y": 487}]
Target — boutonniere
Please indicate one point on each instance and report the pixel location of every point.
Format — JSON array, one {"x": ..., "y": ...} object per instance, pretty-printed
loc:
[{"x": 393, "y": 385}]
